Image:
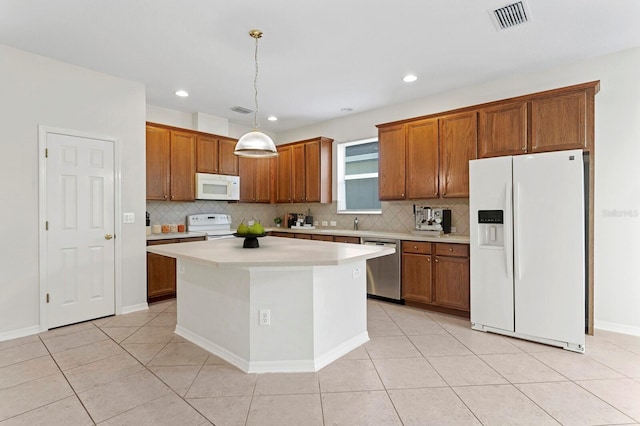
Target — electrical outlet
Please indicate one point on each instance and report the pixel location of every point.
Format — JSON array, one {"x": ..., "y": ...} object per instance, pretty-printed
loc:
[
  {"x": 453, "y": 229},
  {"x": 334, "y": 223},
  {"x": 265, "y": 316},
  {"x": 325, "y": 223},
  {"x": 356, "y": 272},
  {"x": 181, "y": 269},
  {"x": 128, "y": 217}
]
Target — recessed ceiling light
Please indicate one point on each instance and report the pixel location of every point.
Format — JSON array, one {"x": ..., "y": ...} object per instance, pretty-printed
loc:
[
  {"x": 346, "y": 109},
  {"x": 182, "y": 93},
  {"x": 272, "y": 118},
  {"x": 409, "y": 78}
]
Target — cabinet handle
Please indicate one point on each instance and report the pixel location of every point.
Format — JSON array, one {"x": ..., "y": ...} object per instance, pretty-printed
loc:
[
  {"x": 415, "y": 247},
  {"x": 428, "y": 259},
  {"x": 165, "y": 196},
  {"x": 172, "y": 197},
  {"x": 435, "y": 193},
  {"x": 450, "y": 249},
  {"x": 524, "y": 148},
  {"x": 402, "y": 195},
  {"x": 437, "y": 261}
]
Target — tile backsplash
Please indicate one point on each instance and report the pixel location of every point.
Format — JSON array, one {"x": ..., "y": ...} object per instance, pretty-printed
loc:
[{"x": 397, "y": 216}]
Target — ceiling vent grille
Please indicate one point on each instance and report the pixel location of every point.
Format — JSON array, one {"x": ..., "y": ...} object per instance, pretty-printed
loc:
[
  {"x": 241, "y": 110},
  {"x": 510, "y": 15}
]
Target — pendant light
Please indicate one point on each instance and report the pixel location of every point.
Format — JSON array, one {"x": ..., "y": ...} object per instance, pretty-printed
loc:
[{"x": 255, "y": 143}]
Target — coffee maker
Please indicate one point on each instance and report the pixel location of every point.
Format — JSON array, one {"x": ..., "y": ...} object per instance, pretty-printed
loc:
[{"x": 433, "y": 220}]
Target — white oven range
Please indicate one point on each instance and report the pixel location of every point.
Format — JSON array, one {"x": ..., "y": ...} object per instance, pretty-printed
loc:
[{"x": 216, "y": 225}]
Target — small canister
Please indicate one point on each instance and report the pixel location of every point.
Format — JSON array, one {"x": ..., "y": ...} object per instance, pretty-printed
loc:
[
  {"x": 148, "y": 230},
  {"x": 181, "y": 227},
  {"x": 165, "y": 228},
  {"x": 173, "y": 228},
  {"x": 156, "y": 229}
]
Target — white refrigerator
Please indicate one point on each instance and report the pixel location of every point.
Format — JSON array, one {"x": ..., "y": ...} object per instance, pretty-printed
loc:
[{"x": 527, "y": 240}]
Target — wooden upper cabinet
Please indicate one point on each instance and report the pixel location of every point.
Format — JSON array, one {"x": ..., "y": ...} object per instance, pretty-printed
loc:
[
  {"x": 283, "y": 175},
  {"x": 255, "y": 179},
  {"x": 458, "y": 140},
  {"x": 183, "y": 166},
  {"x": 297, "y": 173},
  {"x": 502, "y": 129},
  {"x": 391, "y": 162},
  {"x": 206, "y": 154},
  {"x": 227, "y": 161},
  {"x": 215, "y": 155},
  {"x": 158, "y": 167},
  {"x": 317, "y": 171},
  {"x": 422, "y": 159},
  {"x": 560, "y": 122}
]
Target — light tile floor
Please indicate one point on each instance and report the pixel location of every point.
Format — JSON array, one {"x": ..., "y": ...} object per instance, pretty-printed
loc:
[{"x": 419, "y": 368}]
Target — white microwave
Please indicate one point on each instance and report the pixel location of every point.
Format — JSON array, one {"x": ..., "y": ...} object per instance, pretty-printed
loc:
[{"x": 217, "y": 187}]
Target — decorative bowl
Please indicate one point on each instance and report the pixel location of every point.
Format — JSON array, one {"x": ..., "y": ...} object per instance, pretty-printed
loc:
[{"x": 250, "y": 240}]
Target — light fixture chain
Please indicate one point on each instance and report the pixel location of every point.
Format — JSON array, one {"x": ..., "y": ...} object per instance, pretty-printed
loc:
[{"x": 255, "y": 88}]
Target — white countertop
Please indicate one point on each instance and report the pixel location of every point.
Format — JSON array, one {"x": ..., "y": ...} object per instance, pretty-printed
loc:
[
  {"x": 172, "y": 235},
  {"x": 447, "y": 238},
  {"x": 273, "y": 251}
]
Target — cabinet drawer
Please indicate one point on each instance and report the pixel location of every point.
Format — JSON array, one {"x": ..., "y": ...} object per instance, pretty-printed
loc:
[
  {"x": 166, "y": 241},
  {"x": 189, "y": 239},
  {"x": 455, "y": 250},
  {"x": 322, "y": 237},
  {"x": 346, "y": 239},
  {"x": 303, "y": 236},
  {"x": 419, "y": 247}
]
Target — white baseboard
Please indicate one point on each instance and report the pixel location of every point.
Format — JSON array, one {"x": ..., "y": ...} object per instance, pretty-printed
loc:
[
  {"x": 133, "y": 308},
  {"x": 23, "y": 332},
  {"x": 618, "y": 328}
]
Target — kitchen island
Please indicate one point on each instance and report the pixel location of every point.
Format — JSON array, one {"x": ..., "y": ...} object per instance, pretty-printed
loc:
[{"x": 287, "y": 306}]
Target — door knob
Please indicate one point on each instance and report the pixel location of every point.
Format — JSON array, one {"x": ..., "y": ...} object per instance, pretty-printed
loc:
[{"x": 108, "y": 236}]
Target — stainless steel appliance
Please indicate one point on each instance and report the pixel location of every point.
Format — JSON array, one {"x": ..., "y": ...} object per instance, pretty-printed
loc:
[
  {"x": 383, "y": 273},
  {"x": 215, "y": 225},
  {"x": 435, "y": 221},
  {"x": 527, "y": 217}
]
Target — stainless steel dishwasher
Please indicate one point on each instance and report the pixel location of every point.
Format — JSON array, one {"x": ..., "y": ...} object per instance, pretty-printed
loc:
[{"x": 383, "y": 273}]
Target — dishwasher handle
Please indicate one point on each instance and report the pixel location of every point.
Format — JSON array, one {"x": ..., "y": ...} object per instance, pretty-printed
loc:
[{"x": 379, "y": 243}]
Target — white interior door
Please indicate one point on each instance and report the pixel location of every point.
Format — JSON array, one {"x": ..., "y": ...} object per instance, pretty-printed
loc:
[{"x": 80, "y": 250}]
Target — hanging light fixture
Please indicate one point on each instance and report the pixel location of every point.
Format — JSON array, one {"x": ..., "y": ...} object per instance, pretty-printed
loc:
[{"x": 255, "y": 143}]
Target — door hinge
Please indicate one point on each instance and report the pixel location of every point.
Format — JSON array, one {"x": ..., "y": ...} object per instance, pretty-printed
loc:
[
  {"x": 46, "y": 225},
  {"x": 46, "y": 153},
  {"x": 47, "y": 297}
]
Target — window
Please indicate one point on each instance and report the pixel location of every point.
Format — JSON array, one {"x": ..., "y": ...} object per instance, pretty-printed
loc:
[{"x": 358, "y": 177}]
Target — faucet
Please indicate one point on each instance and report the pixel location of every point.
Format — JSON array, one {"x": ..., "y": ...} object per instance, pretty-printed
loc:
[{"x": 355, "y": 224}]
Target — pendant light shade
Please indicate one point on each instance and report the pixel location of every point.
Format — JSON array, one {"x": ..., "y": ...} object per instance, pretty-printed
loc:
[{"x": 255, "y": 143}]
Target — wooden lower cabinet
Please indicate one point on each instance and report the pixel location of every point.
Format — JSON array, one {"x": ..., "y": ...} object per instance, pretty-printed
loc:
[
  {"x": 436, "y": 276},
  {"x": 161, "y": 271},
  {"x": 322, "y": 237},
  {"x": 318, "y": 237},
  {"x": 346, "y": 239}
]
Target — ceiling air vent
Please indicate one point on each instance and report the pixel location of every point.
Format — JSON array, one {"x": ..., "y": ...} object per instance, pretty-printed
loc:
[
  {"x": 510, "y": 15},
  {"x": 241, "y": 110}
]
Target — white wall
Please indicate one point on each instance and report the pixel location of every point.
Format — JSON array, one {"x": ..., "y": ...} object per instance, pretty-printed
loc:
[
  {"x": 40, "y": 91},
  {"x": 617, "y": 199}
]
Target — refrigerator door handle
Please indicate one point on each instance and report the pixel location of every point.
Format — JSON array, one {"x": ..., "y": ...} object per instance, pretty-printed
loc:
[
  {"x": 507, "y": 230},
  {"x": 518, "y": 234}
]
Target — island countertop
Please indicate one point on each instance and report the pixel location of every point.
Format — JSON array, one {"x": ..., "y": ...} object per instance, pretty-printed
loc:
[{"x": 273, "y": 251}]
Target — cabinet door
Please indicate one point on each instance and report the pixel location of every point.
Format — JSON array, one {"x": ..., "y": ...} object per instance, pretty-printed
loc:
[
  {"x": 502, "y": 130},
  {"x": 458, "y": 139},
  {"x": 422, "y": 159},
  {"x": 227, "y": 162},
  {"x": 559, "y": 122},
  {"x": 451, "y": 282},
  {"x": 416, "y": 277},
  {"x": 246, "y": 169},
  {"x": 319, "y": 237},
  {"x": 262, "y": 182},
  {"x": 158, "y": 163},
  {"x": 391, "y": 163},
  {"x": 346, "y": 239},
  {"x": 161, "y": 275},
  {"x": 283, "y": 175},
  {"x": 297, "y": 173},
  {"x": 183, "y": 166},
  {"x": 312, "y": 172},
  {"x": 206, "y": 154}
]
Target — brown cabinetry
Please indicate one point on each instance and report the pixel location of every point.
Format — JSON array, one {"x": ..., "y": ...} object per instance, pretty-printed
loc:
[
  {"x": 391, "y": 163},
  {"x": 436, "y": 276},
  {"x": 161, "y": 271},
  {"x": 214, "y": 154},
  {"x": 255, "y": 179},
  {"x": 304, "y": 172},
  {"x": 318, "y": 237},
  {"x": 171, "y": 164},
  {"x": 457, "y": 143},
  {"x": 422, "y": 159},
  {"x": 559, "y": 122},
  {"x": 502, "y": 129}
]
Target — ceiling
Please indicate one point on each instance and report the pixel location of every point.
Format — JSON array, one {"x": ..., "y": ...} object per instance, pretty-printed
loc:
[{"x": 316, "y": 57}]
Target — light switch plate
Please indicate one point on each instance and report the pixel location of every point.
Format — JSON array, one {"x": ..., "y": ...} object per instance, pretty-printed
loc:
[{"x": 128, "y": 217}]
